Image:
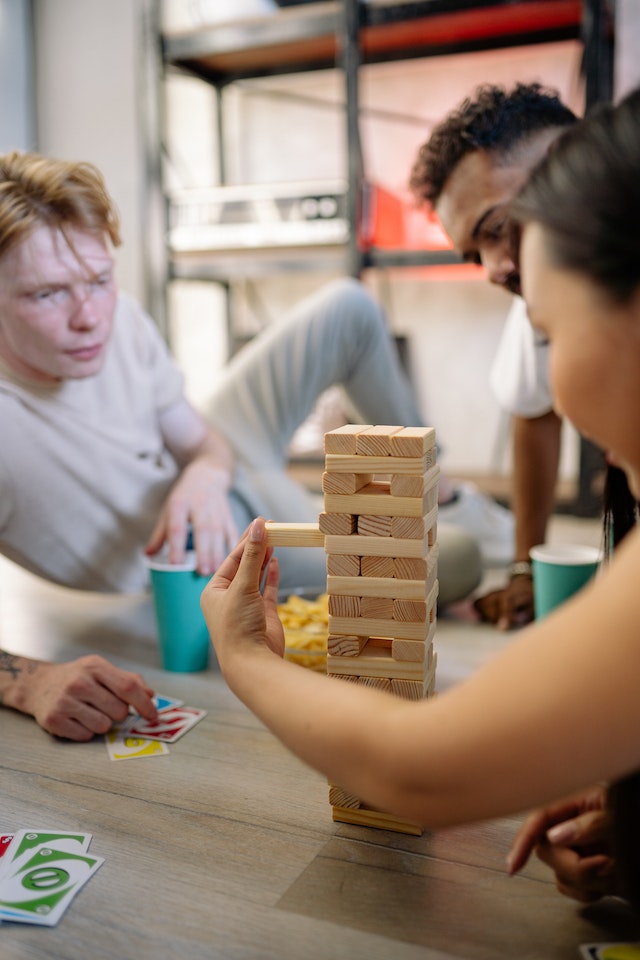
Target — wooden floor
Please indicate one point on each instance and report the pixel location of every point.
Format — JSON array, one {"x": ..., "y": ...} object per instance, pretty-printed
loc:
[{"x": 226, "y": 848}]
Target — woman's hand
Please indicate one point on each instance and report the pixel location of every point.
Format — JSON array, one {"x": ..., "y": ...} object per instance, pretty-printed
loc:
[
  {"x": 242, "y": 620},
  {"x": 571, "y": 837}
]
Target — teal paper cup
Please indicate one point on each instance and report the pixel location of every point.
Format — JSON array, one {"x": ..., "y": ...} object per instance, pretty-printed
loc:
[
  {"x": 182, "y": 632},
  {"x": 559, "y": 571}
]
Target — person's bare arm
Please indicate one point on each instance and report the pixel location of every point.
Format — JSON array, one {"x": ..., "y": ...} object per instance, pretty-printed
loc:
[
  {"x": 497, "y": 743},
  {"x": 200, "y": 495},
  {"x": 536, "y": 455},
  {"x": 75, "y": 700}
]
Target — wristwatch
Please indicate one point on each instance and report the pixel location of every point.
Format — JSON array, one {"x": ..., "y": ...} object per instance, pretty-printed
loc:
[{"x": 520, "y": 568}]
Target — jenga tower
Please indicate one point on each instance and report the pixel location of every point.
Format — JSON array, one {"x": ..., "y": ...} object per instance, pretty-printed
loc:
[{"x": 380, "y": 490}]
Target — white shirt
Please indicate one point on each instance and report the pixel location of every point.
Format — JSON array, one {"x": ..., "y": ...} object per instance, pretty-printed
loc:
[{"x": 519, "y": 375}]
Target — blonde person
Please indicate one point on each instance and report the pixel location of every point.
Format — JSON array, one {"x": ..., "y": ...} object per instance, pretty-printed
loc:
[
  {"x": 499, "y": 743},
  {"x": 102, "y": 457}
]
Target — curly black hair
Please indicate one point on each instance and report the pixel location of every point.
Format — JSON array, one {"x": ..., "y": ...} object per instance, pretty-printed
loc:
[{"x": 496, "y": 119}]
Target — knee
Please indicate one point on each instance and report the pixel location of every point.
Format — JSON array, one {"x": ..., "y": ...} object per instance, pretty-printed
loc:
[
  {"x": 354, "y": 308},
  {"x": 459, "y": 564}
]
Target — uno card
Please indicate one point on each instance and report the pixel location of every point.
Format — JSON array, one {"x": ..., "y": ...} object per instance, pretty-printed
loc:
[
  {"x": 5, "y": 840},
  {"x": 163, "y": 703},
  {"x": 121, "y": 745},
  {"x": 170, "y": 725},
  {"x": 25, "y": 842},
  {"x": 610, "y": 951},
  {"x": 46, "y": 872}
]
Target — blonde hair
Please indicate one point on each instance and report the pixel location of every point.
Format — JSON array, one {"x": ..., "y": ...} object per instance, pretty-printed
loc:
[{"x": 36, "y": 191}]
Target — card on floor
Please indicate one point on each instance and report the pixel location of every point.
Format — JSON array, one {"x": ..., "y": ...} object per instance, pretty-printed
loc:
[
  {"x": 170, "y": 725},
  {"x": 26, "y": 841},
  {"x": 122, "y": 746},
  {"x": 5, "y": 840},
  {"x": 610, "y": 951},
  {"x": 38, "y": 886}
]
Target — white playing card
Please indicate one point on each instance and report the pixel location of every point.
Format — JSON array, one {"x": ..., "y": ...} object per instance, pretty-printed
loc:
[
  {"x": 170, "y": 725},
  {"x": 43, "y": 873}
]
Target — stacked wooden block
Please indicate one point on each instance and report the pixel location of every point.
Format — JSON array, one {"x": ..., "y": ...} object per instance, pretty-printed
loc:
[{"x": 379, "y": 524}]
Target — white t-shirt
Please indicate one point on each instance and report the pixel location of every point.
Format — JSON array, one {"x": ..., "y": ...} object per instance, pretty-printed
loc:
[
  {"x": 83, "y": 467},
  {"x": 519, "y": 374}
]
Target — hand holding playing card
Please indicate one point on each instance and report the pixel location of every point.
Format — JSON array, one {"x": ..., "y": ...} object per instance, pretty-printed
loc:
[{"x": 82, "y": 698}]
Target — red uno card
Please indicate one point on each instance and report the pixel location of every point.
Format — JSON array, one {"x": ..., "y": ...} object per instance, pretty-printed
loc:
[{"x": 170, "y": 725}]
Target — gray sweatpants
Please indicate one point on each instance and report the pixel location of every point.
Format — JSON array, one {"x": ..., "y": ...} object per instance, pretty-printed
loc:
[{"x": 336, "y": 336}]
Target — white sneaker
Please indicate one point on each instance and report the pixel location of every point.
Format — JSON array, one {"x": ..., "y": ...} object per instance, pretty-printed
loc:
[{"x": 490, "y": 524}]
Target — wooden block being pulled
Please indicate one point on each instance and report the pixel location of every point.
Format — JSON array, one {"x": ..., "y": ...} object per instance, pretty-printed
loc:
[
  {"x": 375, "y": 441},
  {"x": 342, "y": 606},
  {"x": 345, "y": 646},
  {"x": 377, "y": 587},
  {"x": 374, "y": 526},
  {"x": 337, "y": 524},
  {"x": 344, "y": 482},
  {"x": 364, "y": 817},
  {"x": 343, "y": 565},
  {"x": 343, "y": 439},
  {"x": 412, "y": 441},
  {"x": 377, "y": 607},
  {"x": 403, "y": 466},
  {"x": 376, "y": 567},
  {"x": 294, "y": 534}
]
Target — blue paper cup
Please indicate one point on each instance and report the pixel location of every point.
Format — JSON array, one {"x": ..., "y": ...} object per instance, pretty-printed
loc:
[
  {"x": 559, "y": 571},
  {"x": 182, "y": 632}
]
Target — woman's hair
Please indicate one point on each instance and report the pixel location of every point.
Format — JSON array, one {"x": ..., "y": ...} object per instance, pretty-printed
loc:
[
  {"x": 36, "y": 191},
  {"x": 586, "y": 196}
]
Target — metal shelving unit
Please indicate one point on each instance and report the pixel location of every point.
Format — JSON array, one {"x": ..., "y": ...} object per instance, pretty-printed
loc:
[{"x": 344, "y": 35}]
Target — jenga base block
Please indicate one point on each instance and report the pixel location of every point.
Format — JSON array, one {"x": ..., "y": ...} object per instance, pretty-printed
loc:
[{"x": 362, "y": 816}]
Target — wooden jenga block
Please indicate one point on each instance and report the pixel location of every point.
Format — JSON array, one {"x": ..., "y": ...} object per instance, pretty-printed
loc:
[
  {"x": 408, "y": 486},
  {"x": 413, "y": 528},
  {"x": 413, "y": 650},
  {"x": 416, "y": 689},
  {"x": 373, "y": 526},
  {"x": 340, "y": 606},
  {"x": 294, "y": 534},
  {"x": 375, "y": 628},
  {"x": 341, "y": 646},
  {"x": 377, "y": 607},
  {"x": 338, "y": 797},
  {"x": 402, "y": 466},
  {"x": 412, "y": 441},
  {"x": 377, "y": 587},
  {"x": 376, "y": 567},
  {"x": 342, "y": 565},
  {"x": 337, "y": 524},
  {"x": 418, "y": 568},
  {"x": 362, "y": 816},
  {"x": 378, "y": 683},
  {"x": 376, "y": 499},
  {"x": 343, "y": 439},
  {"x": 375, "y": 441},
  {"x": 410, "y": 611},
  {"x": 376, "y": 546},
  {"x": 345, "y": 482},
  {"x": 376, "y": 661},
  {"x": 432, "y": 601}
]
